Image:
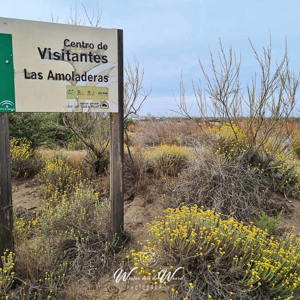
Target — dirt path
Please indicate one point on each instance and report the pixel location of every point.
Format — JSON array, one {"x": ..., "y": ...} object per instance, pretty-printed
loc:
[
  {"x": 25, "y": 195},
  {"x": 294, "y": 218}
]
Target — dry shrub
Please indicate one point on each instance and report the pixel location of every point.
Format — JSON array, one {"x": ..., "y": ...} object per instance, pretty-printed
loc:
[
  {"x": 98, "y": 160},
  {"x": 226, "y": 186},
  {"x": 135, "y": 177},
  {"x": 33, "y": 258},
  {"x": 78, "y": 291},
  {"x": 147, "y": 169},
  {"x": 296, "y": 146}
]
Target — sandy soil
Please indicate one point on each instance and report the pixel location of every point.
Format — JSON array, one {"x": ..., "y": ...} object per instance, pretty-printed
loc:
[
  {"x": 293, "y": 220},
  {"x": 25, "y": 194}
]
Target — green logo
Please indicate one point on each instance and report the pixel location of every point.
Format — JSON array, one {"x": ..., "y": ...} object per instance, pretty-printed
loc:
[{"x": 7, "y": 106}]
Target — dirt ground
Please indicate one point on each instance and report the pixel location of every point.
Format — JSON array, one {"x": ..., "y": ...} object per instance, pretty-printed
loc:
[
  {"x": 293, "y": 220},
  {"x": 25, "y": 195},
  {"x": 138, "y": 212}
]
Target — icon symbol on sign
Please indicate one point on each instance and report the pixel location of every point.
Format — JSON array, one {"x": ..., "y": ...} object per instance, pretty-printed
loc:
[
  {"x": 104, "y": 105},
  {"x": 6, "y": 103}
]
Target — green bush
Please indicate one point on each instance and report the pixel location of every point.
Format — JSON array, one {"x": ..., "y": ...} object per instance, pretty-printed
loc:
[
  {"x": 267, "y": 223},
  {"x": 39, "y": 128}
]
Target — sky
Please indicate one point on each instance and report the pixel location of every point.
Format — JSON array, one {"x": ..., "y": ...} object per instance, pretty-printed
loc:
[{"x": 169, "y": 37}]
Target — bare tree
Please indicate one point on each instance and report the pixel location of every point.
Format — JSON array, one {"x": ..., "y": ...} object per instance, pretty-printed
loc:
[
  {"x": 93, "y": 129},
  {"x": 267, "y": 102},
  {"x": 92, "y": 18},
  {"x": 134, "y": 93}
]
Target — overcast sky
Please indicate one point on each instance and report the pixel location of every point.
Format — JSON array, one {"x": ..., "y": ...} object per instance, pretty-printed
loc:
[{"x": 168, "y": 37}]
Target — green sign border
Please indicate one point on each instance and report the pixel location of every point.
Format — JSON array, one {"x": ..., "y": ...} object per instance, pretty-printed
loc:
[{"x": 7, "y": 82}]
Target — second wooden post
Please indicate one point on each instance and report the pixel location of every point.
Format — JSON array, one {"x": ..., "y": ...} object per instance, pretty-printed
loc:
[{"x": 117, "y": 151}]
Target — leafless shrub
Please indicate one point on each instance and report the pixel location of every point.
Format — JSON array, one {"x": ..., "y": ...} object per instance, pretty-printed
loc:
[
  {"x": 135, "y": 177},
  {"x": 92, "y": 129},
  {"x": 134, "y": 97},
  {"x": 134, "y": 93},
  {"x": 226, "y": 186},
  {"x": 266, "y": 103},
  {"x": 92, "y": 18}
]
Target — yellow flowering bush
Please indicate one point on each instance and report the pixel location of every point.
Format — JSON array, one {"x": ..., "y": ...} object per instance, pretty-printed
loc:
[
  {"x": 25, "y": 226},
  {"x": 230, "y": 140},
  {"x": 59, "y": 176},
  {"x": 7, "y": 273},
  {"x": 25, "y": 162},
  {"x": 70, "y": 217},
  {"x": 221, "y": 258},
  {"x": 296, "y": 144},
  {"x": 280, "y": 170},
  {"x": 68, "y": 240},
  {"x": 270, "y": 159},
  {"x": 284, "y": 173},
  {"x": 20, "y": 149},
  {"x": 168, "y": 160},
  {"x": 79, "y": 227}
]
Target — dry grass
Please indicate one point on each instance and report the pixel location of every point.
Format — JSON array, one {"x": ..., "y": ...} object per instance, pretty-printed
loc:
[
  {"x": 169, "y": 132},
  {"x": 75, "y": 157}
]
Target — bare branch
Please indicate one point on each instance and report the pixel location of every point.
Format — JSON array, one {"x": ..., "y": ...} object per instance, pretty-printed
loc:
[{"x": 134, "y": 92}]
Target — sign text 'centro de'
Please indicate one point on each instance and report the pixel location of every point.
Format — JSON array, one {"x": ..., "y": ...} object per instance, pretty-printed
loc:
[{"x": 48, "y": 67}]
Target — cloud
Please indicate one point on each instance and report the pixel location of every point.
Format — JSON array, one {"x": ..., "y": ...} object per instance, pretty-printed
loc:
[{"x": 168, "y": 37}]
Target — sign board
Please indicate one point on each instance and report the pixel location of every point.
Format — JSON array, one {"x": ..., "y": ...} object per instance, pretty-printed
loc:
[{"x": 52, "y": 67}]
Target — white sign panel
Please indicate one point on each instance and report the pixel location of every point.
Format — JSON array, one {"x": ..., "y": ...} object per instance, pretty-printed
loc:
[{"x": 62, "y": 68}]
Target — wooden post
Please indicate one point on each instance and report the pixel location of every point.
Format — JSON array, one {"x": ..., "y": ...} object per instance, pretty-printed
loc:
[
  {"x": 117, "y": 151},
  {"x": 6, "y": 210}
]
